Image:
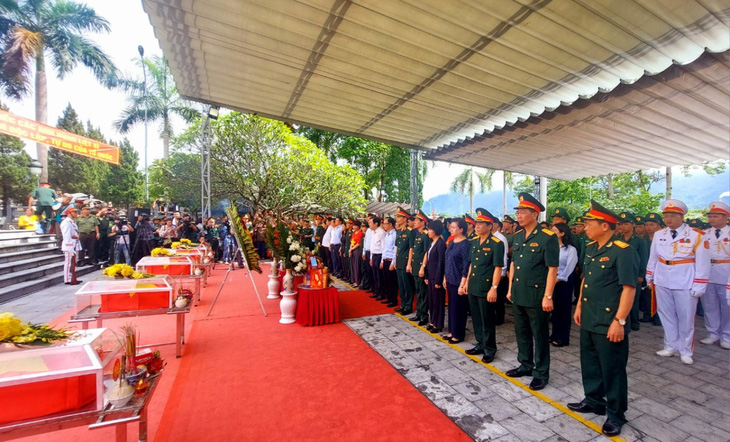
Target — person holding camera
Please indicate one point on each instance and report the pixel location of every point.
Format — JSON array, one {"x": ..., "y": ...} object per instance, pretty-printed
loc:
[
  {"x": 120, "y": 232},
  {"x": 145, "y": 235},
  {"x": 187, "y": 229}
]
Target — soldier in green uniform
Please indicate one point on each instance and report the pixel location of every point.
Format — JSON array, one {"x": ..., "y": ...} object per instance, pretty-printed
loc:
[
  {"x": 639, "y": 227},
  {"x": 402, "y": 251},
  {"x": 560, "y": 216},
  {"x": 653, "y": 222},
  {"x": 345, "y": 249},
  {"x": 580, "y": 244},
  {"x": 610, "y": 274},
  {"x": 533, "y": 274},
  {"x": 412, "y": 234},
  {"x": 625, "y": 233},
  {"x": 417, "y": 266},
  {"x": 307, "y": 235},
  {"x": 486, "y": 259},
  {"x": 470, "y": 227}
]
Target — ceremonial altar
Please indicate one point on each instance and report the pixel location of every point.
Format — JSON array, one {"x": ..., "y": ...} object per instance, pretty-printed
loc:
[{"x": 317, "y": 306}]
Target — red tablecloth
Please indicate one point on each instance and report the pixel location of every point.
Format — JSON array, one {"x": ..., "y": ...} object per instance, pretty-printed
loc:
[{"x": 318, "y": 306}]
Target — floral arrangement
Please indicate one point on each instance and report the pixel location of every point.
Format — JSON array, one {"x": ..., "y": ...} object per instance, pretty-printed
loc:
[
  {"x": 184, "y": 243},
  {"x": 125, "y": 271},
  {"x": 14, "y": 331},
  {"x": 161, "y": 251},
  {"x": 243, "y": 236},
  {"x": 289, "y": 250}
]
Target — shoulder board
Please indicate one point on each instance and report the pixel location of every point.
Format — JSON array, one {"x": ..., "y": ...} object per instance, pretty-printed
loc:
[
  {"x": 698, "y": 230},
  {"x": 621, "y": 244},
  {"x": 548, "y": 232},
  {"x": 521, "y": 230},
  {"x": 495, "y": 239},
  {"x": 592, "y": 242}
]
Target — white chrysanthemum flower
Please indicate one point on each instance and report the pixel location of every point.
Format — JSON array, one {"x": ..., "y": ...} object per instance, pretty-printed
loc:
[{"x": 288, "y": 239}]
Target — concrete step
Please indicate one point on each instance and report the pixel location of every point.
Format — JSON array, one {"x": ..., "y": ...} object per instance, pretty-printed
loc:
[
  {"x": 9, "y": 258},
  {"x": 22, "y": 237},
  {"x": 35, "y": 245},
  {"x": 21, "y": 289},
  {"x": 29, "y": 263},
  {"x": 30, "y": 274}
]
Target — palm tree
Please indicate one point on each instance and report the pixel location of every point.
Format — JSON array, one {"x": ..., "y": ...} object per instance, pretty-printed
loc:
[
  {"x": 508, "y": 180},
  {"x": 161, "y": 100},
  {"x": 467, "y": 182},
  {"x": 32, "y": 29}
]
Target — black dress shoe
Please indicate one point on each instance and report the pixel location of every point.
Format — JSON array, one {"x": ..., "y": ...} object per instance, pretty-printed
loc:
[
  {"x": 446, "y": 337},
  {"x": 611, "y": 428},
  {"x": 384, "y": 301},
  {"x": 537, "y": 384},
  {"x": 475, "y": 351},
  {"x": 374, "y": 296},
  {"x": 390, "y": 304},
  {"x": 413, "y": 319},
  {"x": 585, "y": 407},
  {"x": 422, "y": 323},
  {"x": 406, "y": 312},
  {"x": 517, "y": 373},
  {"x": 435, "y": 330},
  {"x": 487, "y": 359}
]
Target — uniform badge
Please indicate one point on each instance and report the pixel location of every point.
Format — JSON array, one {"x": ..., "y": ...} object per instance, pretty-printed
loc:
[
  {"x": 604, "y": 259},
  {"x": 534, "y": 244},
  {"x": 486, "y": 249},
  {"x": 707, "y": 244}
]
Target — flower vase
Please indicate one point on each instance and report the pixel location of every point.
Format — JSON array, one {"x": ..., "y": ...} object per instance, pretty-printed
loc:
[
  {"x": 288, "y": 303},
  {"x": 273, "y": 284}
]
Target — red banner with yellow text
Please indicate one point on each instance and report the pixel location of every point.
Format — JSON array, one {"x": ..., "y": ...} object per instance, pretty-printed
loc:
[{"x": 60, "y": 139}]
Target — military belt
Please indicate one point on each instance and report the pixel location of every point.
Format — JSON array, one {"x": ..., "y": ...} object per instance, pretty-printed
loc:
[
  {"x": 678, "y": 261},
  {"x": 720, "y": 261}
]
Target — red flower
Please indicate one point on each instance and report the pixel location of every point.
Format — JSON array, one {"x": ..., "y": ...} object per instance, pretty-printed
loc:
[{"x": 276, "y": 241}]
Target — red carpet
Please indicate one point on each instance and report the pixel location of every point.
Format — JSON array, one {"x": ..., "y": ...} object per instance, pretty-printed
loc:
[{"x": 244, "y": 376}]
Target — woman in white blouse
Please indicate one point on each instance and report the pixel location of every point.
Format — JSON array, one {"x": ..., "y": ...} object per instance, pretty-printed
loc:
[{"x": 562, "y": 316}]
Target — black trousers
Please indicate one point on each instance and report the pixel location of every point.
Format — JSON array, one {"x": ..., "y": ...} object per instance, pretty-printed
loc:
[
  {"x": 390, "y": 279},
  {"x": 88, "y": 248},
  {"x": 458, "y": 308},
  {"x": 377, "y": 283},
  {"x": 366, "y": 272},
  {"x": 324, "y": 254},
  {"x": 498, "y": 306},
  {"x": 562, "y": 316}
]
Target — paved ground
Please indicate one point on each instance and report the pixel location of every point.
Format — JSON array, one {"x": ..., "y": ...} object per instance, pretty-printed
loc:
[{"x": 668, "y": 401}]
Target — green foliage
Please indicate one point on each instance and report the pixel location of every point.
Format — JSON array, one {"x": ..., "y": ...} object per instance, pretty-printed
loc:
[
  {"x": 123, "y": 184},
  {"x": 16, "y": 181},
  {"x": 177, "y": 179},
  {"x": 382, "y": 166},
  {"x": 158, "y": 102},
  {"x": 711, "y": 168},
  {"x": 263, "y": 163},
  {"x": 74, "y": 173}
]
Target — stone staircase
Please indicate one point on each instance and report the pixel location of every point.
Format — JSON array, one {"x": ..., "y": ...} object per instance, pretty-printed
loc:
[{"x": 30, "y": 262}]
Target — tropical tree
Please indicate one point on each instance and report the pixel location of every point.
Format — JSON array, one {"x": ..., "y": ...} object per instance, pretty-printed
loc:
[
  {"x": 177, "y": 179},
  {"x": 30, "y": 30},
  {"x": 123, "y": 183},
  {"x": 158, "y": 101},
  {"x": 262, "y": 162},
  {"x": 16, "y": 181},
  {"x": 468, "y": 181}
]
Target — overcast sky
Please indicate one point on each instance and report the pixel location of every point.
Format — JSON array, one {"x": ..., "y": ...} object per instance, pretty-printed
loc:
[{"x": 130, "y": 27}]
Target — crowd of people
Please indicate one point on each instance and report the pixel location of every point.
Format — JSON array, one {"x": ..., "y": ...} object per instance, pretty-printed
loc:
[{"x": 606, "y": 272}]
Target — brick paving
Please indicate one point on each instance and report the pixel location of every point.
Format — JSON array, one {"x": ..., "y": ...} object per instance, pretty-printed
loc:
[{"x": 668, "y": 401}]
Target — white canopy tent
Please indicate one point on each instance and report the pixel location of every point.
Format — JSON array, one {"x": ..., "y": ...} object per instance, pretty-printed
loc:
[{"x": 539, "y": 87}]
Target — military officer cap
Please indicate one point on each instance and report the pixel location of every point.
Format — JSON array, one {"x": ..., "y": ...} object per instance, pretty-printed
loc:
[
  {"x": 579, "y": 221},
  {"x": 70, "y": 209},
  {"x": 422, "y": 216},
  {"x": 470, "y": 220},
  {"x": 674, "y": 206},
  {"x": 483, "y": 216},
  {"x": 509, "y": 219},
  {"x": 626, "y": 217},
  {"x": 561, "y": 213},
  {"x": 696, "y": 223},
  {"x": 350, "y": 220},
  {"x": 718, "y": 207},
  {"x": 528, "y": 201},
  {"x": 401, "y": 212},
  {"x": 601, "y": 213},
  {"x": 654, "y": 218},
  {"x": 639, "y": 220}
]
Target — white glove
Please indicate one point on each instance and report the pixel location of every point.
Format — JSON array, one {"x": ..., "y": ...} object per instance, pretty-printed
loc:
[
  {"x": 696, "y": 294},
  {"x": 728, "y": 302}
]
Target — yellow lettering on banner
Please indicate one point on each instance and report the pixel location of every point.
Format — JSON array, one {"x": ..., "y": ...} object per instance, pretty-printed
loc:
[{"x": 31, "y": 130}]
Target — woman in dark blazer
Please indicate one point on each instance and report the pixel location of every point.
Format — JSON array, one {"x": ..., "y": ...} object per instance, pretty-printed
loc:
[
  {"x": 435, "y": 265},
  {"x": 457, "y": 269}
]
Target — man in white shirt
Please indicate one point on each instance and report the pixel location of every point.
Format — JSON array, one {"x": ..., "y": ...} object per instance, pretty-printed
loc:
[
  {"x": 503, "y": 287},
  {"x": 387, "y": 265},
  {"x": 326, "y": 241},
  {"x": 377, "y": 246},
  {"x": 335, "y": 244},
  {"x": 367, "y": 270}
]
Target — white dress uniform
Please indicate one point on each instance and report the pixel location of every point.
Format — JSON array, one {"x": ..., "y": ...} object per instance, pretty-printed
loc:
[
  {"x": 69, "y": 246},
  {"x": 717, "y": 311},
  {"x": 679, "y": 267}
]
